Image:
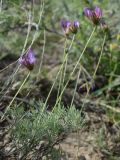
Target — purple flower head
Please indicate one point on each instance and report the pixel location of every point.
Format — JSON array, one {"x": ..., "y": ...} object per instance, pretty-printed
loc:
[
  {"x": 94, "y": 14},
  {"x": 65, "y": 24},
  {"x": 28, "y": 59},
  {"x": 74, "y": 27},
  {"x": 98, "y": 12},
  {"x": 87, "y": 12},
  {"x": 76, "y": 24},
  {"x": 70, "y": 26}
]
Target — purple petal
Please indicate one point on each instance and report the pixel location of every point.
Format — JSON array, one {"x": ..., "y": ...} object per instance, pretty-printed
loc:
[
  {"x": 87, "y": 12},
  {"x": 98, "y": 12},
  {"x": 76, "y": 24},
  {"x": 20, "y": 60},
  {"x": 65, "y": 24},
  {"x": 28, "y": 59}
]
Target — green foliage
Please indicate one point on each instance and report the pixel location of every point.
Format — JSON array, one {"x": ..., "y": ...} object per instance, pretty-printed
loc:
[
  {"x": 13, "y": 34},
  {"x": 34, "y": 126},
  {"x": 100, "y": 139}
]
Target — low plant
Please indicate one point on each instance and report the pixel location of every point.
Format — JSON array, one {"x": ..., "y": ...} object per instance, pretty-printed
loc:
[{"x": 34, "y": 128}]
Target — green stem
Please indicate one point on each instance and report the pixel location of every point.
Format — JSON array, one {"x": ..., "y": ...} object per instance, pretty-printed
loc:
[
  {"x": 75, "y": 87},
  {"x": 64, "y": 60},
  {"x": 95, "y": 69},
  {"x": 8, "y": 66},
  {"x": 60, "y": 81},
  {"x": 15, "y": 95},
  {"x": 53, "y": 84},
  {"x": 67, "y": 58},
  {"x": 65, "y": 64},
  {"x": 78, "y": 62},
  {"x": 99, "y": 57},
  {"x": 9, "y": 81},
  {"x": 43, "y": 51}
]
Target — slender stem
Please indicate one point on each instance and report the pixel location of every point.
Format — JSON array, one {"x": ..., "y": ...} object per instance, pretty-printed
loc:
[
  {"x": 92, "y": 78},
  {"x": 101, "y": 103},
  {"x": 28, "y": 33},
  {"x": 15, "y": 95},
  {"x": 81, "y": 67},
  {"x": 87, "y": 73},
  {"x": 65, "y": 63},
  {"x": 8, "y": 66},
  {"x": 9, "y": 81},
  {"x": 64, "y": 60},
  {"x": 38, "y": 24},
  {"x": 73, "y": 38},
  {"x": 95, "y": 70},
  {"x": 43, "y": 51},
  {"x": 67, "y": 58},
  {"x": 53, "y": 84},
  {"x": 60, "y": 81},
  {"x": 75, "y": 87},
  {"x": 99, "y": 57},
  {"x": 1, "y": 2},
  {"x": 78, "y": 62}
]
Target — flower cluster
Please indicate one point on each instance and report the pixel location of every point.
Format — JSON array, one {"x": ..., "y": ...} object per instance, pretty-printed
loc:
[
  {"x": 94, "y": 14},
  {"x": 28, "y": 60},
  {"x": 70, "y": 27}
]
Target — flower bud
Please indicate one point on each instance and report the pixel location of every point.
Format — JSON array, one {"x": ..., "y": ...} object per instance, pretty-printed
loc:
[
  {"x": 74, "y": 27},
  {"x": 65, "y": 24},
  {"x": 28, "y": 60},
  {"x": 94, "y": 14}
]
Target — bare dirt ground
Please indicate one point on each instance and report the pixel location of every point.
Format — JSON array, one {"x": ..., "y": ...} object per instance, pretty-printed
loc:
[{"x": 98, "y": 141}]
